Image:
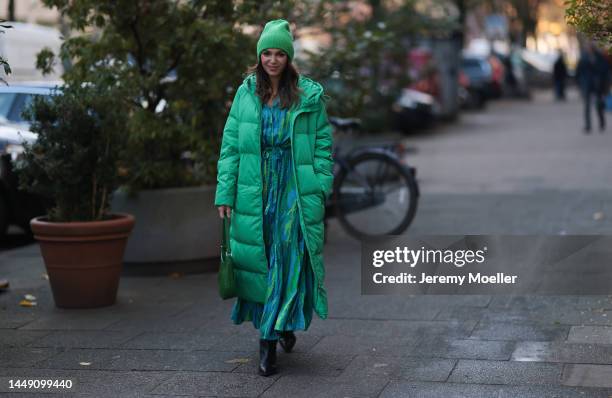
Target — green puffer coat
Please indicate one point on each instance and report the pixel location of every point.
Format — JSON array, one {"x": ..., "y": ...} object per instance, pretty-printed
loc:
[{"x": 239, "y": 184}]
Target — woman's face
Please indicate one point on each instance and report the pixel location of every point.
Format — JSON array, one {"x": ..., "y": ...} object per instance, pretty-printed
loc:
[{"x": 273, "y": 61}]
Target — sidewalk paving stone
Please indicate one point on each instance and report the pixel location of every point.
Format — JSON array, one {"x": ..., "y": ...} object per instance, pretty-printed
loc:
[
  {"x": 161, "y": 360},
  {"x": 84, "y": 339},
  {"x": 379, "y": 307},
  {"x": 390, "y": 328},
  {"x": 214, "y": 384},
  {"x": 533, "y": 302},
  {"x": 23, "y": 357},
  {"x": 323, "y": 387},
  {"x": 178, "y": 341},
  {"x": 553, "y": 392},
  {"x": 392, "y": 367},
  {"x": 13, "y": 320},
  {"x": 590, "y": 334},
  {"x": 513, "y": 331},
  {"x": 443, "y": 301},
  {"x": 587, "y": 375},
  {"x": 464, "y": 349},
  {"x": 97, "y": 383},
  {"x": 301, "y": 364},
  {"x": 600, "y": 302},
  {"x": 157, "y": 323},
  {"x": 78, "y": 320},
  {"x": 18, "y": 338},
  {"x": 560, "y": 351},
  {"x": 590, "y": 316},
  {"x": 403, "y": 389},
  {"x": 504, "y": 372},
  {"x": 552, "y": 316},
  {"x": 347, "y": 345},
  {"x": 462, "y": 314}
]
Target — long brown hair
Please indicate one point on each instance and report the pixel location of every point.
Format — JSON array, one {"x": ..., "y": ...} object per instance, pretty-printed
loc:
[{"x": 288, "y": 89}]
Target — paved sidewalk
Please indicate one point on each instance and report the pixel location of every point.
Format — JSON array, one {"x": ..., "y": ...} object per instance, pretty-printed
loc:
[
  {"x": 170, "y": 336},
  {"x": 517, "y": 168}
]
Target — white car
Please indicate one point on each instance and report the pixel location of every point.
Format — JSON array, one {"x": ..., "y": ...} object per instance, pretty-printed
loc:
[{"x": 17, "y": 207}]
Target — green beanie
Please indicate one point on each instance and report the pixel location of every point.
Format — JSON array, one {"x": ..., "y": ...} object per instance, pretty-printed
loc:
[{"x": 276, "y": 34}]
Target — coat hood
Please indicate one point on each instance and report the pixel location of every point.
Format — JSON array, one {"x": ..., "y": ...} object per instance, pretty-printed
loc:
[{"x": 312, "y": 91}]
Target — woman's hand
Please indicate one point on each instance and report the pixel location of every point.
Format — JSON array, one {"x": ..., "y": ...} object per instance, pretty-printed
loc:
[{"x": 224, "y": 210}]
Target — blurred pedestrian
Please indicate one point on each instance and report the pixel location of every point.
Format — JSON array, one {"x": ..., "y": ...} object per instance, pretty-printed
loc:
[
  {"x": 274, "y": 173},
  {"x": 593, "y": 77},
  {"x": 559, "y": 76}
]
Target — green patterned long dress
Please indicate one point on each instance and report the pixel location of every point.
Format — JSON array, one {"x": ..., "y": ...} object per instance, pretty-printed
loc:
[{"x": 289, "y": 304}]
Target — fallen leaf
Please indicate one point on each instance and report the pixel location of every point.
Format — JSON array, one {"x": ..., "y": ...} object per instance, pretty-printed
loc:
[
  {"x": 26, "y": 303},
  {"x": 175, "y": 275},
  {"x": 238, "y": 360}
]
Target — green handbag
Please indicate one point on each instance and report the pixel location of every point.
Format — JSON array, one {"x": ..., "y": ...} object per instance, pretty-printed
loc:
[{"x": 225, "y": 277}]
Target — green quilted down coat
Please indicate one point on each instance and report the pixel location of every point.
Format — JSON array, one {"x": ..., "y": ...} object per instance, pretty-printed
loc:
[{"x": 239, "y": 184}]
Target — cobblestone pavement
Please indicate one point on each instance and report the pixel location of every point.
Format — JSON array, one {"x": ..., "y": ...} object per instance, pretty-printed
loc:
[{"x": 518, "y": 168}]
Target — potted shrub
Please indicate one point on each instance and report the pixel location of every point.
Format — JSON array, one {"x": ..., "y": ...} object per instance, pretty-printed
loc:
[
  {"x": 74, "y": 161},
  {"x": 175, "y": 63}
]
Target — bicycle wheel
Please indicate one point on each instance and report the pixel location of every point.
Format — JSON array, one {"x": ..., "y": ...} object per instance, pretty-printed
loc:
[{"x": 375, "y": 196}]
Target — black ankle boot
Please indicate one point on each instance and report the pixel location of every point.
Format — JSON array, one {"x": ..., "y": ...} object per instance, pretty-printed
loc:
[
  {"x": 267, "y": 357},
  {"x": 287, "y": 340}
]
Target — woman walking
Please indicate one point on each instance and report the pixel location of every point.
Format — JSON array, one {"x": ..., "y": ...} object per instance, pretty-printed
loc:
[{"x": 274, "y": 172}]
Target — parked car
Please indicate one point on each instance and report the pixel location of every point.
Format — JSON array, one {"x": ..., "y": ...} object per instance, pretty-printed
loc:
[
  {"x": 479, "y": 71},
  {"x": 471, "y": 96},
  {"x": 15, "y": 98},
  {"x": 16, "y": 206}
]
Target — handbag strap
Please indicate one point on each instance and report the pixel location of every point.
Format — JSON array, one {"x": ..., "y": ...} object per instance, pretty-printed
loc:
[{"x": 225, "y": 236}]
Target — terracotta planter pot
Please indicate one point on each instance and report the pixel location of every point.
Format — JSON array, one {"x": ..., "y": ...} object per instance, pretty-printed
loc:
[{"x": 83, "y": 259}]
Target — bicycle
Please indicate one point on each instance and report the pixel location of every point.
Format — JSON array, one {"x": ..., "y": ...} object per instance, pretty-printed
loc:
[{"x": 374, "y": 194}]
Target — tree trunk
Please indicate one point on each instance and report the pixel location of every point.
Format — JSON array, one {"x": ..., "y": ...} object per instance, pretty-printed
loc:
[
  {"x": 11, "y": 10},
  {"x": 459, "y": 34}
]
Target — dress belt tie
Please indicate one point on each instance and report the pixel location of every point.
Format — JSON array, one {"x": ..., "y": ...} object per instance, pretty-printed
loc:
[{"x": 275, "y": 150}]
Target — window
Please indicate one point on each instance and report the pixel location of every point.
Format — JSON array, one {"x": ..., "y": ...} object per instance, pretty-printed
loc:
[{"x": 6, "y": 103}]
